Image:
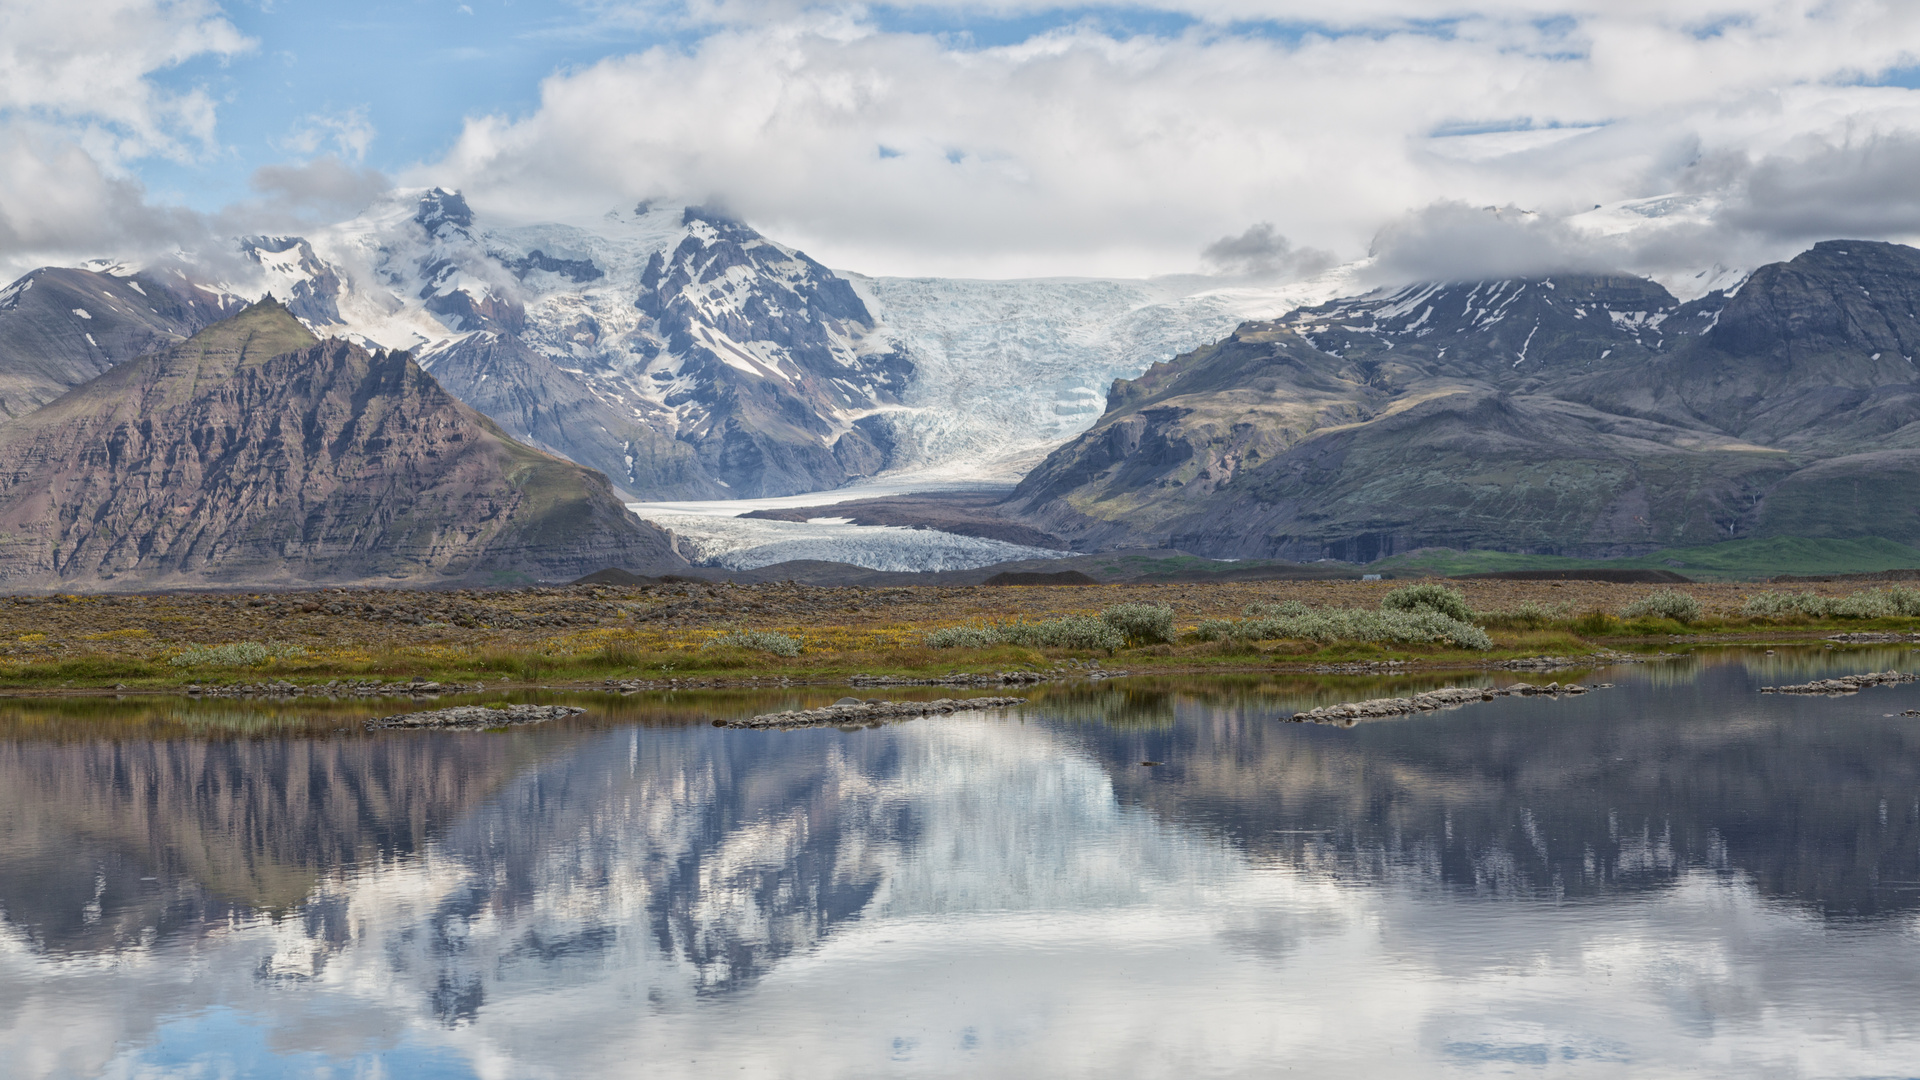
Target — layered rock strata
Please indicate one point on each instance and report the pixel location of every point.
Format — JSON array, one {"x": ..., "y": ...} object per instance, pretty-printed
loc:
[{"x": 255, "y": 453}]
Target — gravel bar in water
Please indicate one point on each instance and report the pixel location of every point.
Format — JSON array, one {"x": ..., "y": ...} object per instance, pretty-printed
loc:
[
  {"x": 1846, "y": 684},
  {"x": 1426, "y": 702},
  {"x": 850, "y": 711},
  {"x": 476, "y": 716}
]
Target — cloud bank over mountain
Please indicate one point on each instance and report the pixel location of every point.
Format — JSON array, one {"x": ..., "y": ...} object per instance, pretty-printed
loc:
[{"x": 1015, "y": 139}]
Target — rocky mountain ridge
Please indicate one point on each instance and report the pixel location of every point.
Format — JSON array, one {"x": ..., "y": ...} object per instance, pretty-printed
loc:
[
  {"x": 61, "y": 326},
  {"x": 1590, "y": 416},
  {"x": 689, "y": 357},
  {"x": 255, "y": 453}
]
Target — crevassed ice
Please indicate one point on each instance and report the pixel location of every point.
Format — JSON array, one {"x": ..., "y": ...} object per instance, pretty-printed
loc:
[{"x": 748, "y": 543}]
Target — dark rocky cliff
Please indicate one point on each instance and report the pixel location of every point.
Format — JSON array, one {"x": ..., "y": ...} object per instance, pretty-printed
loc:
[
  {"x": 60, "y": 327},
  {"x": 254, "y": 453},
  {"x": 1577, "y": 415}
]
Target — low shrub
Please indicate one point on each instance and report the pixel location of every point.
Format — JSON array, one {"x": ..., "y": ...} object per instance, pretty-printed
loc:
[
  {"x": 1530, "y": 614},
  {"x": 1664, "y": 604},
  {"x": 1429, "y": 596},
  {"x": 1140, "y": 624},
  {"x": 235, "y": 654},
  {"x": 1283, "y": 608},
  {"x": 1332, "y": 625},
  {"x": 964, "y": 637},
  {"x": 1066, "y": 632},
  {"x": 1893, "y": 603},
  {"x": 766, "y": 641}
]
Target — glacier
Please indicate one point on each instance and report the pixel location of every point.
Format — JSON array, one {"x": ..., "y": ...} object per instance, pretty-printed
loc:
[
  {"x": 736, "y": 543},
  {"x": 1002, "y": 371},
  {"x": 714, "y": 532}
]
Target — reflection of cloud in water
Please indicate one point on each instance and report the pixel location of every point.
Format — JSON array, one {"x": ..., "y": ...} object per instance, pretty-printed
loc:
[{"x": 999, "y": 897}]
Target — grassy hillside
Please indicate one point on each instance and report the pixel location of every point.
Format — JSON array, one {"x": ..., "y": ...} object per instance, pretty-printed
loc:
[{"x": 1735, "y": 560}]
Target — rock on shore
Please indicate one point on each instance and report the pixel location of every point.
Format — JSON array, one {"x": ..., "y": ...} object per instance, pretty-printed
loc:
[
  {"x": 476, "y": 717},
  {"x": 852, "y": 712},
  {"x": 1846, "y": 684},
  {"x": 1429, "y": 701}
]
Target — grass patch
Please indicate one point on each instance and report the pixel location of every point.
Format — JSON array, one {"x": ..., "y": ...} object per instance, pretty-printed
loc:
[
  {"x": 1664, "y": 604},
  {"x": 1343, "y": 625},
  {"x": 766, "y": 641},
  {"x": 1069, "y": 632},
  {"x": 236, "y": 654},
  {"x": 1734, "y": 560},
  {"x": 1893, "y": 603}
]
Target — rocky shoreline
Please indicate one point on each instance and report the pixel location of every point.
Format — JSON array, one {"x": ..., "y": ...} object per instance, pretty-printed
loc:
[
  {"x": 850, "y": 711},
  {"x": 1430, "y": 700},
  {"x": 978, "y": 679},
  {"x": 995, "y": 678},
  {"x": 476, "y": 717},
  {"x": 1845, "y": 684},
  {"x": 334, "y": 690}
]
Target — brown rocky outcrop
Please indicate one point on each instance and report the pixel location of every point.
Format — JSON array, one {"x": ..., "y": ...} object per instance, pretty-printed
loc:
[{"x": 254, "y": 453}]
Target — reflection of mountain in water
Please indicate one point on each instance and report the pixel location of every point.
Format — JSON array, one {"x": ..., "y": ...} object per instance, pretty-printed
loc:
[
  {"x": 731, "y": 852},
  {"x": 112, "y": 843},
  {"x": 1814, "y": 799},
  {"x": 573, "y": 900}
]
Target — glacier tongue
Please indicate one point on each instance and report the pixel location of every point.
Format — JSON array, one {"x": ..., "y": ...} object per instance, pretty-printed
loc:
[
  {"x": 1005, "y": 371},
  {"x": 712, "y": 533},
  {"x": 749, "y": 543}
]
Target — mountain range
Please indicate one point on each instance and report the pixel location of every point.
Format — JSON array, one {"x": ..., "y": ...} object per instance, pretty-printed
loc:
[
  {"x": 1578, "y": 415},
  {"x": 686, "y": 356},
  {"x": 254, "y": 453},
  {"x": 672, "y": 352}
]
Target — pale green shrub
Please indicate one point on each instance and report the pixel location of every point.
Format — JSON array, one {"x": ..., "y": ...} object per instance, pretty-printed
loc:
[
  {"x": 1431, "y": 596},
  {"x": 1664, "y": 604},
  {"x": 235, "y": 654},
  {"x": 964, "y": 637},
  {"x": 1066, "y": 632},
  {"x": 1893, "y": 603},
  {"x": 1140, "y": 624},
  {"x": 1284, "y": 607},
  {"x": 766, "y": 641},
  {"x": 1331, "y": 625}
]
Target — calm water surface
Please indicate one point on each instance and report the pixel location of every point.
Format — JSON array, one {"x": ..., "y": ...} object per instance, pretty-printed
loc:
[{"x": 1675, "y": 877}]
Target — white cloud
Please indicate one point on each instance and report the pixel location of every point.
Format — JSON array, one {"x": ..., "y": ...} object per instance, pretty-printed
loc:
[
  {"x": 347, "y": 134},
  {"x": 56, "y": 201},
  {"x": 90, "y": 64},
  {"x": 78, "y": 104},
  {"x": 1080, "y": 152}
]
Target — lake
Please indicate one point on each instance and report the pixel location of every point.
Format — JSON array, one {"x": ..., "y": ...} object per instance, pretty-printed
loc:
[{"x": 1675, "y": 876}]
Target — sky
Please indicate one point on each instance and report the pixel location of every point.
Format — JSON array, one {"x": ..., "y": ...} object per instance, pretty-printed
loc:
[{"x": 1257, "y": 138}]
